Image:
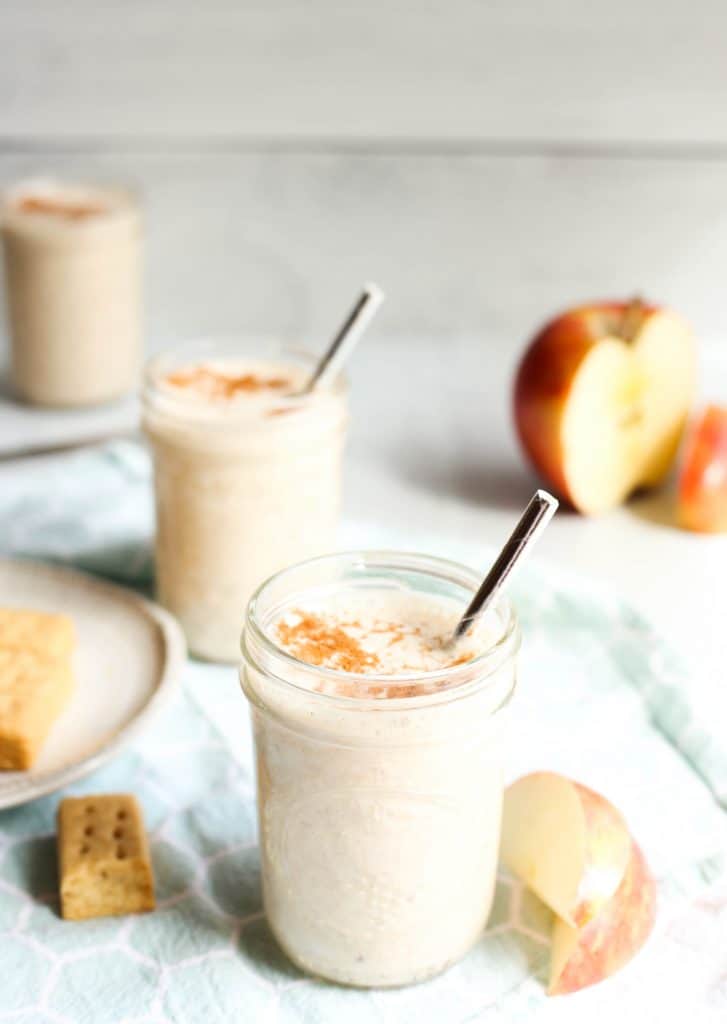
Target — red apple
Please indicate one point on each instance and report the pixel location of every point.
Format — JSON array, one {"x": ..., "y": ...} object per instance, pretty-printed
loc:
[
  {"x": 573, "y": 849},
  {"x": 601, "y": 398},
  {"x": 702, "y": 489}
]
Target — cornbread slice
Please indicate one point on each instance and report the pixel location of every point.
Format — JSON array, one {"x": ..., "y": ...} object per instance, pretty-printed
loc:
[
  {"x": 51, "y": 635},
  {"x": 33, "y": 691},
  {"x": 104, "y": 857}
]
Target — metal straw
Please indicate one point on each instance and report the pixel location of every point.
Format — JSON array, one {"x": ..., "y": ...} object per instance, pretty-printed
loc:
[
  {"x": 348, "y": 334},
  {"x": 535, "y": 518}
]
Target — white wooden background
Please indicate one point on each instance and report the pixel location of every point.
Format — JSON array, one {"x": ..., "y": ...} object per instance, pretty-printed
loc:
[
  {"x": 488, "y": 161},
  {"x": 568, "y": 71}
]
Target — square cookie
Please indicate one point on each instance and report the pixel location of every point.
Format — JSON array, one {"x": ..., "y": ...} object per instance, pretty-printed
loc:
[
  {"x": 47, "y": 634},
  {"x": 103, "y": 857},
  {"x": 33, "y": 692}
]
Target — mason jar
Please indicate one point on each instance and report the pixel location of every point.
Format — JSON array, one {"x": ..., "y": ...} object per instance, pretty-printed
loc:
[
  {"x": 240, "y": 491},
  {"x": 379, "y": 797},
  {"x": 73, "y": 265}
]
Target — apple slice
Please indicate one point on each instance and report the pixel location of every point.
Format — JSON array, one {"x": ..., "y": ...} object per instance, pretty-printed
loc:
[
  {"x": 702, "y": 488},
  {"x": 573, "y": 849},
  {"x": 565, "y": 842},
  {"x": 586, "y": 955},
  {"x": 601, "y": 398}
]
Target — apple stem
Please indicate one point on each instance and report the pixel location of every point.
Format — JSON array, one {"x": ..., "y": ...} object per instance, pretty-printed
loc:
[{"x": 631, "y": 319}]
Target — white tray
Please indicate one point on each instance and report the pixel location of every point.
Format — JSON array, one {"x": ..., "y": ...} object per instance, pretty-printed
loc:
[{"x": 27, "y": 429}]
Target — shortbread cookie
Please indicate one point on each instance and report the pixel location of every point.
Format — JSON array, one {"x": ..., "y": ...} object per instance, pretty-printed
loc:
[
  {"x": 51, "y": 635},
  {"x": 104, "y": 857},
  {"x": 33, "y": 691}
]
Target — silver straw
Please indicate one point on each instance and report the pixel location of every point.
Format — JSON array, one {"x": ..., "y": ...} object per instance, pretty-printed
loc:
[
  {"x": 541, "y": 509},
  {"x": 348, "y": 334}
]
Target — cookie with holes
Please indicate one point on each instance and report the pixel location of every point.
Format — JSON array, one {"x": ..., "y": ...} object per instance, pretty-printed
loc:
[{"x": 103, "y": 857}]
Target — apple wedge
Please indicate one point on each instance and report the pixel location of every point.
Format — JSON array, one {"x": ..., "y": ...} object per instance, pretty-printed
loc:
[
  {"x": 702, "y": 488},
  {"x": 565, "y": 842},
  {"x": 573, "y": 849},
  {"x": 583, "y": 956},
  {"x": 601, "y": 398}
]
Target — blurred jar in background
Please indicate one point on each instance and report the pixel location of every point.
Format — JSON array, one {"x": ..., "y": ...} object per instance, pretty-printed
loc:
[
  {"x": 73, "y": 292},
  {"x": 247, "y": 477}
]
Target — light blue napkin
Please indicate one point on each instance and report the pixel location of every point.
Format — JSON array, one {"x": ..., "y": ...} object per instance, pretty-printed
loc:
[{"x": 91, "y": 508}]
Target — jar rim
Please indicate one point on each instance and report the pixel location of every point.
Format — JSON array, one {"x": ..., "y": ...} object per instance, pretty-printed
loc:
[{"x": 456, "y": 678}]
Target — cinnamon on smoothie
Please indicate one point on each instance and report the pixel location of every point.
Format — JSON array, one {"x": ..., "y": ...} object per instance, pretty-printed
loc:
[
  {"x": 364, "y": 645},
  {"x": 56, "y": 207},
  {"x": 213, "y": 383}
]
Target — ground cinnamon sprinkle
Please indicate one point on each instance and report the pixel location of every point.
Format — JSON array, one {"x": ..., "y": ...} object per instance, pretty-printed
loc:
[
  {"x": 319, "y": 642},
  {"x": 220, "y": 385},
  {"x": 282, "y": 412},
  {"x": 58, "y": 208},
  {"x": 316, "y": 642}
]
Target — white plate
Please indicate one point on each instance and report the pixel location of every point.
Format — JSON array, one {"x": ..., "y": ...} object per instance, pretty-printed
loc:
[{"x": 128, "y": 660}]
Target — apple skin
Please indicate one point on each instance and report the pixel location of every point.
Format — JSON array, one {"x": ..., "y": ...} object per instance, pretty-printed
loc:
[
  {"x": 573, "y": 848},
  {"x": 608, "y": 847},
  {"x": 587, "y": 955},
  {"x": 546, "y": 379},
  {"x": 702, "y": 487},
  {"x": 565, "y": 842}
]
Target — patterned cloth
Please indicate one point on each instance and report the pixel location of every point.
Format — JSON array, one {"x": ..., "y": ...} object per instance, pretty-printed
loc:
[{"x": 599, "y": 697}]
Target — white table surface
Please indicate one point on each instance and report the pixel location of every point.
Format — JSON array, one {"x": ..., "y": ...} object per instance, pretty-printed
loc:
[{"x": 432, "y": 448}]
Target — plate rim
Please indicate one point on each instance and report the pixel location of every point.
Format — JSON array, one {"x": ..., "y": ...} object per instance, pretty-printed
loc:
[{"x": 32, "y": 787}]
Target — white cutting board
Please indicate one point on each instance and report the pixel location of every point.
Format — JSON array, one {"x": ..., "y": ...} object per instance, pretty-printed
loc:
[{"x": 25, "y": 429}]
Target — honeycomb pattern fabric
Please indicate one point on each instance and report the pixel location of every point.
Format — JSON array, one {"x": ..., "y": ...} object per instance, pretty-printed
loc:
[
  {"x": 600, "y": 698},
  {"x": 206, "y": 954}
]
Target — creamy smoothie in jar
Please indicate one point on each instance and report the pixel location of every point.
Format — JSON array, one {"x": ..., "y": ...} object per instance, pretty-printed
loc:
[
  {"x": 379, "y": 762},
  {"x": 72, "y": 258},
  {"x": 247, "y": 475}
]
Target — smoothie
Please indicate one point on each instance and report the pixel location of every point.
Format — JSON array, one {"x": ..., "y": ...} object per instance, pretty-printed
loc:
[
  {"x": 379, "y": 762},
  {"x": 72, "y": 273},
  {"x": 247, "y": 479}
]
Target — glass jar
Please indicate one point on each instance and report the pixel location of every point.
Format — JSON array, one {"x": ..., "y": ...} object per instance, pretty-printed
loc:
[
  {"x": 239, "y": 492},
  {"x": 379, "y": 812},
  {"x": 73, "y": 258}
]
